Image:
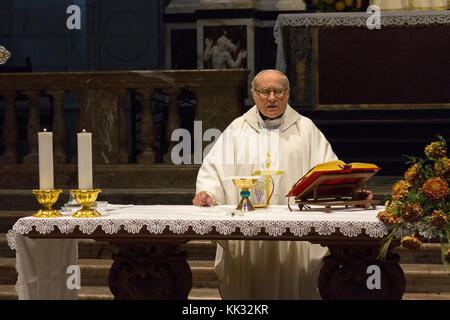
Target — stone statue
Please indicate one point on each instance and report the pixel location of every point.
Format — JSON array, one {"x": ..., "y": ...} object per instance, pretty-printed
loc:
[{"x": 221, "y": 53}]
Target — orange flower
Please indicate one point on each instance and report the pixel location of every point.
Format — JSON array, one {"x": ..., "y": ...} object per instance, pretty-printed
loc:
[
  {"x": 340, "y": 6},
  {"x": 438, "y": 219},
  {"x": 410, "y": 242},
  {"x": 387, "y": 217},
  {"x": 442, "y": 167},
  {"x": 358, "y": 4},
  {"x": 400, "y": 190},
  {"x": 348, "y": 3},
  {"x": 435, "y": 189},
  {"x": 411, "y": 212},
  {"x": 435, "y": 150},
  {"x": 413, "y": 173}
]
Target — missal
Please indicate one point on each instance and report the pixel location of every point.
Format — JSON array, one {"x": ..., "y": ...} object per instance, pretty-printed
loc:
[{"x": 333, "y": 180}]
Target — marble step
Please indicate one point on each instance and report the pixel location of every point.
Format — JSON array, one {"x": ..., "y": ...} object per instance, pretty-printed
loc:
[
  {"x": 8, "y": 292},
  {"x": 127, "y": 176},
  {"x": 420, "y": 278},
  {"x": 430, "y": 253},
  {"x": 94, "y": 272},
  {"x": 91, "y": 249}
]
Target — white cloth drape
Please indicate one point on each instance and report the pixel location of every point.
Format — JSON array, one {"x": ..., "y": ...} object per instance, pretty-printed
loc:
[
  {"x": 263, "y": 269},
  {"x": 41, "y": 265}
]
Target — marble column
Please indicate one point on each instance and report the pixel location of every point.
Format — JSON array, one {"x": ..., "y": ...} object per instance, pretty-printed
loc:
[
  {"x": 34, "y": 126},
  {"x": 173, "y": 120},
  {"x": 10, "y": 130},
  {"x": 123, "y": 128},
  {"x": 147, "y": 134},
  {"x": 59, "y": 127}
]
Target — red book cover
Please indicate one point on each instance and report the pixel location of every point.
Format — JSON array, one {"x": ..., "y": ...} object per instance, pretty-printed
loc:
[{"x": 345, "y": 183}]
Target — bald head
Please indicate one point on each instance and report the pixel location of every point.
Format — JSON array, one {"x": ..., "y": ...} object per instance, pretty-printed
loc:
[{"x": 261, "y": 73}]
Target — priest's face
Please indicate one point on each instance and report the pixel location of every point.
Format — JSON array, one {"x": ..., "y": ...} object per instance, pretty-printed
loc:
[{"x": 270, "y": 93}]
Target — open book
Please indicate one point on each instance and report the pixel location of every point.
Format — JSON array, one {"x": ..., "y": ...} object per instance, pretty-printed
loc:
[{"x": 331, "y": 180}]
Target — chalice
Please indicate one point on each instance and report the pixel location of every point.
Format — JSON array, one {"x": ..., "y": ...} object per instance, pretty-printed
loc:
[{"x": 244, "y": 184}]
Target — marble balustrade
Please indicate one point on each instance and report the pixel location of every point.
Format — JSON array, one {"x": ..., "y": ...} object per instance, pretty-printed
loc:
[{"x": 219, "y": 96}]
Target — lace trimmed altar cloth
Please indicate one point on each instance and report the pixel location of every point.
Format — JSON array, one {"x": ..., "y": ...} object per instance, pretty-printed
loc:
[
  {"x": 42, "y": 263},
  {"x": 356, "y": 19}
]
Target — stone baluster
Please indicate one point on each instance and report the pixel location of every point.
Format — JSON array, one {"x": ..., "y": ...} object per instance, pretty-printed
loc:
[
  {"x": 123, "y": 128},
  {"x": 173, "y": 120},
  {"x": 59, "y": 126},
  {"x": 33, "y": 127},
  {"x": 10, "y": 130},
  {"x": 147, "y": 133}
]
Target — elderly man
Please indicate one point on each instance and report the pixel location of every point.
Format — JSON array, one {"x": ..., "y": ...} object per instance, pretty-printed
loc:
[{"x": 265, "y": 269}]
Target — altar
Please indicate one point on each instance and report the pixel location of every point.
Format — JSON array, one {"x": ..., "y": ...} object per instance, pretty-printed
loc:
[
  {"x": 339, "y": 60},
  {"x": 151, "y": 265}
]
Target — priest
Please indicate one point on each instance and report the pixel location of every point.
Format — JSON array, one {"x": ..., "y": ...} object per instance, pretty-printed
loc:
[{"x": 265, "y": 269}]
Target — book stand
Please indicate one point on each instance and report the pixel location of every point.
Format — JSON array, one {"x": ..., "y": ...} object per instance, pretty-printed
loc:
[{"x": 335, "y": 189}]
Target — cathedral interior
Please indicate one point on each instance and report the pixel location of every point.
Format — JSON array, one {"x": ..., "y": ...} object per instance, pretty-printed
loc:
[{"x": 132, "y": 72}]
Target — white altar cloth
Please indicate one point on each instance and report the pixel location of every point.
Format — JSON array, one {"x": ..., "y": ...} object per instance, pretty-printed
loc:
[{"x": 42, "y": 263}]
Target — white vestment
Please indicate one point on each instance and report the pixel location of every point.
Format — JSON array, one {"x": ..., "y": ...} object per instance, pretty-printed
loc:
[{"x": 265, "y": 269}]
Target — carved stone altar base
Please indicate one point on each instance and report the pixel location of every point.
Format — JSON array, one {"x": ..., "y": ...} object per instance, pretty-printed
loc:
[{"x": 150, "y": 271}]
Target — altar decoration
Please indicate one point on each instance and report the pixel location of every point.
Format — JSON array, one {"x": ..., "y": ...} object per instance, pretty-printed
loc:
[
  {"x": 420, "y": 204},
  {"x": 336, "y": 5},
  {"x": 46, "y": 195},
  {"x": 245, "y": 183},
  {"x": 267, "y": 173}
]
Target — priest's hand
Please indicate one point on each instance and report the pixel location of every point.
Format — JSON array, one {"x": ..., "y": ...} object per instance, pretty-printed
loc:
[
  {"x": 202, "y": 199},
  {"x": 363, "y": 195}
]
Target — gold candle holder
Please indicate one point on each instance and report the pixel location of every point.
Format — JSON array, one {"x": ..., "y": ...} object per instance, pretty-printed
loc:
[
  {"x": 47, "y": 198},
  {"x": 244, "y": 184},
  {"x": 86, "y": 198}
]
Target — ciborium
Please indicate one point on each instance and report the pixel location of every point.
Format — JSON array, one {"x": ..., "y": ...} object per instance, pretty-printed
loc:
[
  {"x": 86, "y": 198},
  {"x": 245, "y": 184},
  {"x": 47, "y": 198}
]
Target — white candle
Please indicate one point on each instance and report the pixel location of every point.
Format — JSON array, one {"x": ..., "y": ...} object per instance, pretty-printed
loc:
[
  {"x": 45, "y": 143},
  {"x": 84, "y": 160}
]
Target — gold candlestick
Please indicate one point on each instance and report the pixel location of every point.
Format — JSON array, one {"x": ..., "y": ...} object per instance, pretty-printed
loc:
[
  {"x": 85, "y": 198},
  {"x": 244, "y": 184},
  {"x": 47, "y": 198}
]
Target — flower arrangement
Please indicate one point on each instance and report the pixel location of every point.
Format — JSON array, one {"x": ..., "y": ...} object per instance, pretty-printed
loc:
[
  {"x": 420, "y": 204},
  {"x": 336, "y": 5}
]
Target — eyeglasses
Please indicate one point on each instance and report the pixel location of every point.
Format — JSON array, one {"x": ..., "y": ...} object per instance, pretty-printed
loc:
[{"x": 277, "y": 92}]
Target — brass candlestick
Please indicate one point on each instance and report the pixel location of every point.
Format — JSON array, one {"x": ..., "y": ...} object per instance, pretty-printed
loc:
[
  {"x": 244, "y": 184},
  {"x": 47, "y": 198},
  {"x": 85, "y": 198}
]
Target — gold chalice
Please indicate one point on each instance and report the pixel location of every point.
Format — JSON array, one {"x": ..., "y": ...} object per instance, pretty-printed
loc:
[
  {"x": 47, "y": 198},
  {"x": 244, "y": 184},
  {"x": 86, "y": 198}
]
